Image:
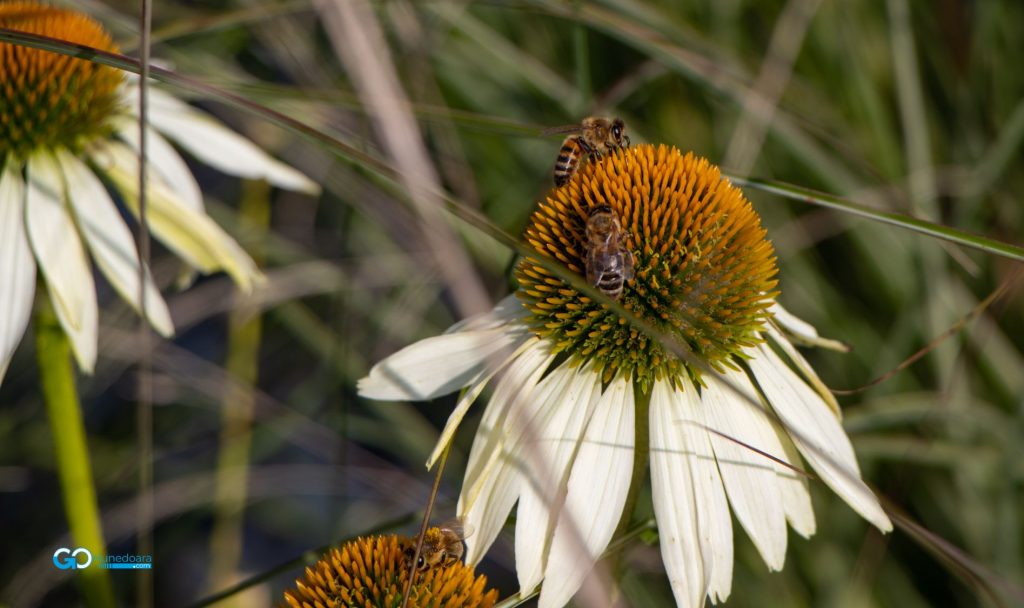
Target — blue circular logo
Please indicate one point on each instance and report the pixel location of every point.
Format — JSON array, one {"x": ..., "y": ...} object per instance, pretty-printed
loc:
[{"x": 66, "y": 559}]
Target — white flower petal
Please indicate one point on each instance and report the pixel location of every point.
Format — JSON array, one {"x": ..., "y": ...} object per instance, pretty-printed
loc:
[
  {"x": 564, "y": 402},
  {"x": 714, "y": 521},
  {"x": 513, "y": 389},
  {"x": 805, "y": 369},
  {"x": 674, "y": 509},
  {"x": 469, "y": 396},
  {"x": 596, "y": 494},
  {"x": 216, "y": 145},
  {"x": 110, "y": 241},
  {"x": 750, "y": 478},
  {"x": 796, "y": 499},
  {"x": 493, "y": 480},
  {"x": 17, "y": 266},
  {"x": 165, "y": 161},
  {"x": 192, "y": 235},
  {"x": 509, "y": 309},
  {"x": 62, "y": 258},
  {"x": 802, "y": 331},
  {"x": 487, "y": 516},
  {"x": 816, "y": 433},
  {"x": 439, "y": 365}
]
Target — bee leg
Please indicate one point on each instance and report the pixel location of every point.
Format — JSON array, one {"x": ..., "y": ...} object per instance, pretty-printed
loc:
[
  {"x": 625, "y": 141},
  {"x": 582, "y": 141}
]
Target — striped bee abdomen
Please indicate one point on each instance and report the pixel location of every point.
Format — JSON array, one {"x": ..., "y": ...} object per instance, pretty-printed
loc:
[{"x": 569, "y": 158}]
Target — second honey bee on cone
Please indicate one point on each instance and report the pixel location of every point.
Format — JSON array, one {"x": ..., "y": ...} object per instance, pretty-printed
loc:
[
  {"x": 608, "y": 262},
  {"x": 593, "y": 137}
]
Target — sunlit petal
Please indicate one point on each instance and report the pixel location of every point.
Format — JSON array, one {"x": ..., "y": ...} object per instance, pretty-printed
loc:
[
  {"x": 817, "y": 433},
  {"x": 674, "y": 506},
  {"x": 802, "y": 331},
  {"x": 749, "y": 477},
  {"x": 195, "y": 237},
  {"x": 17, "y": 266},
  {"x": 513, "y": 390},
  {"x": 468, "y": 397},
  {"x": 217, "y": 146},
  {"x": 507, "y": 310},
  {"x": 439, "y": 365},
  {"x": 62, "y": 258},
  {"x": 796, "y": 499},
  {"x": 565, "y": 401},
  {"x": 110, "y": 241},
  {"x": 165, "y": 161},
  {"x": 805, "y": 370},
  {"x": 493, "y": 479},
  {"x": 596, "y": 494},
  {"x": 714, "y": 520}
]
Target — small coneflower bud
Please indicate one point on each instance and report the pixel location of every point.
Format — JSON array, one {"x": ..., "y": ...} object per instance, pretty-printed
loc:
[
  {"x": 47, "y": 99},
  {"x": 704, "y": 273},
  {"x": 371, "y": 572}
]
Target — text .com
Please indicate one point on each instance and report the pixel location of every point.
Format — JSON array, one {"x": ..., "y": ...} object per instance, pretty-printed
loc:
[{"x": 80, "y": 558}]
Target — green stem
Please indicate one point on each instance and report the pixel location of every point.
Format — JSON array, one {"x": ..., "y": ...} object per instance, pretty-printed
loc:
[
  {"x": 57, "y": 376},
  {"x": 245, "y": 329}
]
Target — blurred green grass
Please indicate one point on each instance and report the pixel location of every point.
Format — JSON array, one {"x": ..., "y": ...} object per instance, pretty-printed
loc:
[{"x": 908, "y": 107}]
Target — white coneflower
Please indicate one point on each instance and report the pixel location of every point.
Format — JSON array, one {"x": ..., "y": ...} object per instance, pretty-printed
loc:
[
  {"x": 66, "y": 123},
  {"x": 559, "y": 432}
]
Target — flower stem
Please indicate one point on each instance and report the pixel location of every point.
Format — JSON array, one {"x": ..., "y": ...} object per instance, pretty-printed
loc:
[
  {"x": 245, "y": 330},
  {"x": 53, "y": 352}
]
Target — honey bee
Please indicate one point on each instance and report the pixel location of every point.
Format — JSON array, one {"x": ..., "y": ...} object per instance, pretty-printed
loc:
[
  {"x": 443, "y": 545},
  {"x": 609, "y": 263},
  {"x": 593, "y": 137}
]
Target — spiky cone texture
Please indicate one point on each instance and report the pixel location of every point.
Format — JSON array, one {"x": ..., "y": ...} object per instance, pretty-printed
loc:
[
  {"x": 575, "y": 384},
  {"x": 371, "y": 572},
  {"x": 66, "y": 126},
  {"x": 705, "y": 273}
]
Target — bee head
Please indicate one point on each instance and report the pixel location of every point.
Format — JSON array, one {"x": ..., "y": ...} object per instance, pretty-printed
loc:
[{"x": 618, "y": 130}]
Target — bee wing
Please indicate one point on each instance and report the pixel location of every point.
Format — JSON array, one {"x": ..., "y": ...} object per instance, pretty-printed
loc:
[
  {"x": 459, "y": 527},
  {"x": 577, "y": 128}
]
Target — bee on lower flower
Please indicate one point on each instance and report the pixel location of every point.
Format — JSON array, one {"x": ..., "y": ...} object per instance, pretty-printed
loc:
[
  {"x": 372, "y": 572},
  {"x": 443, "y": 545}
]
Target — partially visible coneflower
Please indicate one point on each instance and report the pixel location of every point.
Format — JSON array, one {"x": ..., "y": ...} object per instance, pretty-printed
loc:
[
  {"x": 68, "y": 130},
  {"x": 575, "y": 384},
  {"x": 371, "y": 572},
  {"x": 66, "y": 125}
]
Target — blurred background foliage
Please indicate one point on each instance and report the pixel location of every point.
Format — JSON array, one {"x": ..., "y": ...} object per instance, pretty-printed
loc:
[{"x": 913, "y": 107}]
